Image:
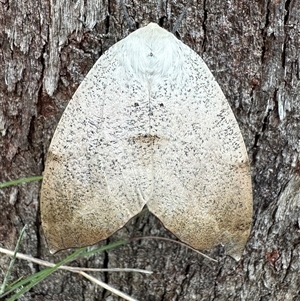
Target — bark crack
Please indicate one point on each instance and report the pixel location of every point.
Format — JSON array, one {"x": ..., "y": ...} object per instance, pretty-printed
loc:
[
  {"x": 105, "y": 274},
  {"x": 265, "y": 33},
  {"x": 286, "y": 19},
  {"x": 204, "y": 25}
]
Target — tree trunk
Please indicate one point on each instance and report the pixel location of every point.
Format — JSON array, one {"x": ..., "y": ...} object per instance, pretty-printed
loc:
[{"x": 253, "y": 50}]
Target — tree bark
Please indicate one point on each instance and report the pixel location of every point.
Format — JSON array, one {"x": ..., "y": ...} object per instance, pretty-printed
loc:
[{"x": 253, "y": 50}]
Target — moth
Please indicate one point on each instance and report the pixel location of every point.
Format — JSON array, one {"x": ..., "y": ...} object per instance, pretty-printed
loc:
[{"x": 149, "y": 125}]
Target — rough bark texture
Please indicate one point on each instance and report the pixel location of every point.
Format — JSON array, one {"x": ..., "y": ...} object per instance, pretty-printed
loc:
[{"x": 252, "y": 48}]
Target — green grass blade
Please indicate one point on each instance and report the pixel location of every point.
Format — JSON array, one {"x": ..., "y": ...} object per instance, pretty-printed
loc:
[
  {"x": 32, "y": 280},
  {"x": 6, "y": 277},
  {"x": 20, "y": 181},
  {"x": 20, "y": 283},
  {"x": 106, "y": 248},
  {"x": 38, "y": 277}
]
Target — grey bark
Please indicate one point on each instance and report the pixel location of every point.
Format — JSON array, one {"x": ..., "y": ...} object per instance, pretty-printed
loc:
[{"x": 252, "y": 48}]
